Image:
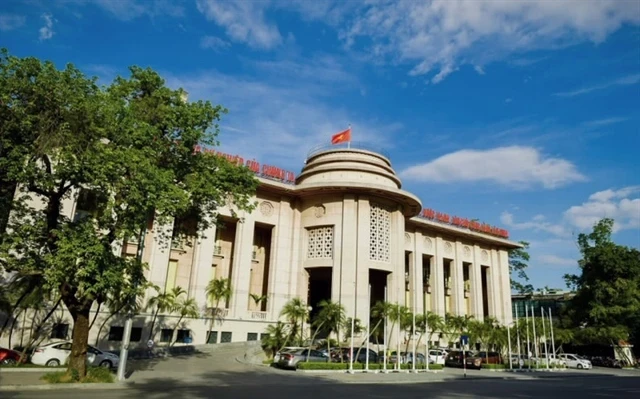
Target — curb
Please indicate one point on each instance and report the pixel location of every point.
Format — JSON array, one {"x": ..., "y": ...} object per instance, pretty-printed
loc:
[
  {"x": 48, "y": 387},
  {"x": 31, "y": 369}
]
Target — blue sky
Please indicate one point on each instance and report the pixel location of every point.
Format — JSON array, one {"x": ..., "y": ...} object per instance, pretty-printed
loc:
[{"x": 524, "y": 114}]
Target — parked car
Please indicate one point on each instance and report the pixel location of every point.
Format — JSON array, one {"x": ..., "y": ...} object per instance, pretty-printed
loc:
[
  {"x": 290, "y": 360},
  {"x": 57, "y": 353},
  {"x": 420, "y": 359},
  {"x": 483, "y": 357},
  {"x": 575, "y": 361},
  {"x": 437, "y": 356},
  {"x": 9, "y": 357},
  {"x": 455, "y": 358},
  {"x": 286, "y": 349}
]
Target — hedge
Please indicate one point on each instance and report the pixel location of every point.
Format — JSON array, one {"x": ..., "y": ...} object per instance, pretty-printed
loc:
[{"x": 359, "y": 366}]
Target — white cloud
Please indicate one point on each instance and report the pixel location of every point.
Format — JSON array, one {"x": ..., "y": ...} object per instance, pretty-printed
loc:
[
  {"x": 213, "y": 43},
  {"x": 555, "y": 260},
  {"x": 514, "y": 166},
  {"x": 536, "y": 224},
  {"x": 46, "y": 32},
  {"x": 604, "y": 121},
  {"x": 10, "y": 21},
  {"x": 243, "y": 21},
  {"x": 278, "y": 118},
  {"x": 623, "y": 81},
  {"x": 127, "y": 10},
  {"x": 622, "y": 205},
  {"x": 439, "y": 36}
]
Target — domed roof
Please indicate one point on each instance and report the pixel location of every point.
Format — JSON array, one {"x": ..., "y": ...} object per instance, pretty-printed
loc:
[{"x": 354, "y": 170}]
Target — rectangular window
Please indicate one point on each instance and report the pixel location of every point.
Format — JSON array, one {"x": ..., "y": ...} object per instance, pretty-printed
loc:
[
  {"x": 166, "y": 334},
  {"x": 264, "y": 336},
  {"x": 136, "y": 334},
  {"x": 171, "y": 275},
  {"x": 225, "y": 337},
  {"x": 212, "y": 337},
  {"x": 116, "y": 333},
  {"x": 60, "y": 331},
  {"x": 252, "y": 336},
  {"x": 184, "y": 336}
]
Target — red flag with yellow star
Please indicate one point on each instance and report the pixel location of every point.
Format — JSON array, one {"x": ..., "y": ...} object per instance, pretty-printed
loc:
[{"x": 342, "y": 137}]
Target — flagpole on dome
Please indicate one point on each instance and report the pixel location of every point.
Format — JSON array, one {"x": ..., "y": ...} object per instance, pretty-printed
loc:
[{"x": 349, "y": 142}]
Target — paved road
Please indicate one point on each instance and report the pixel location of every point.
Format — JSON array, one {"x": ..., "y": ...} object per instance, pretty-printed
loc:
[{"x": 273, "y": 385}]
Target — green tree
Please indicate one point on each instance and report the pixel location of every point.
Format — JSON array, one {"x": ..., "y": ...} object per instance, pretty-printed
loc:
[
  {"x": 328, "y": 319},
  {"x": 296, "y": 312},
  {"x": 275, "y": 338},
  {"x": 185, "y": 307},
  {"x": 518, "y": 263},
  {"x": 131, "y": 147},
  {"x": 218, "y": 290},
  {"x": 606, "y": 307}
]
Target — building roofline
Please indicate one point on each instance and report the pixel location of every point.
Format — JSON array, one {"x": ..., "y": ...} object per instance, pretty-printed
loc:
[{"x": 459, "y": 231}]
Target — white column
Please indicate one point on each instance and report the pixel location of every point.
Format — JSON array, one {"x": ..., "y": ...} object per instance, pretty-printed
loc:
[
  {"x": 438, "y": 288},
  {"x": 417, "y": 260},
  {"x": 495, "y": 287},
  {"x": 458, "y": 281},
  {"x": 297, "y": 246},
  {"x": 241, "y": 272},
  {"x": 361, "y": 244},
  {"x": 280, "y": 263},
  {"x": 159, "y": 256},
  {"x": 503, "y": 257},
  {"x": 476, "y": 284},
  {"x": 202, "y": 266},
  {"x": 347, "y": 272}
]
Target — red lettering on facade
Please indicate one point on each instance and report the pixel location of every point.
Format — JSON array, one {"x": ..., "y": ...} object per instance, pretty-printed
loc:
[{"x": 473, "y": 225}]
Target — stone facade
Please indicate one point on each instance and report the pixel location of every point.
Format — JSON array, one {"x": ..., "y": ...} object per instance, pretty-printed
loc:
[{"x": 344, "y": 225}]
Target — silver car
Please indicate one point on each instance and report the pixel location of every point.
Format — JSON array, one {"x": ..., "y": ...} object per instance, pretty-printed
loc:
[{"x": 291, "y": 359}]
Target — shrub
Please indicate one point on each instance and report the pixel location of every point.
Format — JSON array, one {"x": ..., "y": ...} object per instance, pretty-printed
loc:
[{"x": 94, "y": 374}]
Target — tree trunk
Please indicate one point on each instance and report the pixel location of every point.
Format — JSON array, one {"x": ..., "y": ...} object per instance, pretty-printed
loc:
[
  {"x": 153, "y": 323},
  {"x": 95, "y": 316},
  {"x": 313, "y": 339},
  {"x": 174, "y": 335},
  {"x": 13, "y": 326},
  {"x": 78, "y": 356}
]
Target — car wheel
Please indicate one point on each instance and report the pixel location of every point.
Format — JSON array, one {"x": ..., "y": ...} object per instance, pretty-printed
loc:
[
  {"x": 53, "y": 363},
  {"x": 106, "y": 364},
  {"x": 580, "y": 366}
]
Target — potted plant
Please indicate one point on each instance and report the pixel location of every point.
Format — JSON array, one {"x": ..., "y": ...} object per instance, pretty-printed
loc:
[
  {"x": 467, "y": 288},
  {"x": 447, "y": 287}
]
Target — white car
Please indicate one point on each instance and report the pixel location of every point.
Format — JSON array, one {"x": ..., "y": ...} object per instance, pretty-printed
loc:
[
  {"x": 57, "y": 353},
  {"x": 437, "y": 356},
  {"x": 575, "y": 361}
]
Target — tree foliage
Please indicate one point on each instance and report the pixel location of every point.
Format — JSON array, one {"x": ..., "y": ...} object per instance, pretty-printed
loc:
[
  {"x": 130, "y": 146},
  {"x": 518, "y": 263},
  {"x": 607, "y": 301}
]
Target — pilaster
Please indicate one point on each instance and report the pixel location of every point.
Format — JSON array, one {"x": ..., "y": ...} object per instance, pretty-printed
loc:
[
  {"x": 476, "y": 284},
  {"x": 159, "y": 255},
  {"x": 503, "y": 258},
  {"x": 282, "y": 250},
  {"x": 347, "y": 272},
  {"x": 202, "y": 265},
  {"x": 417, "y": 261},
  {"x": 241, "y": 271},
  {"x": 458, "y": 281},
  {"x": 438, "y": 288}
]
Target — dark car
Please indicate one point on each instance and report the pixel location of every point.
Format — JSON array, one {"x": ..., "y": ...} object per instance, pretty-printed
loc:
[
  {"x": 483, "y": 357},
  {"x": 455, "y": 358},
  {"x": 9, "y": 357}
]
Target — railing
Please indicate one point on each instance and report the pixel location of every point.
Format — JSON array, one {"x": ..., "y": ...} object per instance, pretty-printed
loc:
[
  {"x": 259, "y": 315},
  {"x": 353, "y": 145}
]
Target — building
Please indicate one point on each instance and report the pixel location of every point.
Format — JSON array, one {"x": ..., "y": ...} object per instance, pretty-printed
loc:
[
  {"x": 342, "y": 225},
  {"x": 552, "y": 299}
]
